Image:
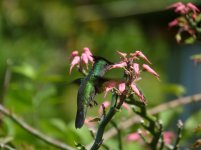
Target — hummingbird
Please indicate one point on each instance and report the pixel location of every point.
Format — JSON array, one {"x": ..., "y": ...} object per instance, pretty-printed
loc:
[{"x": 89, "y": 87}]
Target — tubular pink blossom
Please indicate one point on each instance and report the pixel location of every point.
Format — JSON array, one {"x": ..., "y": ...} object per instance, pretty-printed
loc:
[
  {"x": 123, "y": 55},
  {"x": 173, "y": 23},
  {"x": 192, "y": 7},
  {"x": 73, "y": 54},
  {"x": 133, "y": 137},
  {"x": 168, "y": 137},
  {"x": 136, "y": 69},
  {"x": 89, "y": 54},
  {"x": 122, "y": 87},
  {"x": 139, "y": 53},
  {"x": 177, "y": 4},
  {"x": 75, "y": 61},
  {"x": 182, "y": 9},
  {"x": 84, "y": 59},
  {"x": 109, "y": 86},
  {"x": 150, "y": 70},
  {"x": 137, "y": 92},
  {"x": 119, "y": 65}
]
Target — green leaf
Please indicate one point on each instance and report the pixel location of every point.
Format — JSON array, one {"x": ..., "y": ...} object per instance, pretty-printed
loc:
[
  {"x": 26, "y": 70},
  {"x": 190, "y": 40}
]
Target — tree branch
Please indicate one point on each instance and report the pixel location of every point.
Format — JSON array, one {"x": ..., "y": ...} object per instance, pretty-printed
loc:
[
  {"x": 163, "y": 107},
  {"x": 33, "y": 131}
]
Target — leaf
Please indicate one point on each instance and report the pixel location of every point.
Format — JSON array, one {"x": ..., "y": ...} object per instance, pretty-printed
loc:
[
  {"x": 26, "y": 70},
  {"x": 190, "y": 40}
]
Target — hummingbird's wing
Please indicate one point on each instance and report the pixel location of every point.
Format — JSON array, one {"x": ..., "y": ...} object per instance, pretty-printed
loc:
[{"x": 86, "y": 94}]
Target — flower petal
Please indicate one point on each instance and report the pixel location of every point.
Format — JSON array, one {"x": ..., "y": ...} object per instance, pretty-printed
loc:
[
  {"x": 137, "y": 92},
  {"x": 133, "y": 137},
  {"x": 75, "y": 61},
  {"x": 139, "y": 53},
  {"x": 122, "y": 87},
  {"x": 136, "y": 69},
  {"x": 192, "y": 7},
  {"x": 121, "y": 64},
  {"x": 150, "y": 70}
]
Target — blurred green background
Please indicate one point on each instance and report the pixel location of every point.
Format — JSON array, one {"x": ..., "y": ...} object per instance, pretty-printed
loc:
[{"x": 36, "y": 38}]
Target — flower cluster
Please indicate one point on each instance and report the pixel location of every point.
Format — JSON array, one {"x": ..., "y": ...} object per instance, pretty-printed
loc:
[
  {"x": 79, "y": 61},
  {"x": 188, "y": 20},
  {"x": 132, "y": 71}
]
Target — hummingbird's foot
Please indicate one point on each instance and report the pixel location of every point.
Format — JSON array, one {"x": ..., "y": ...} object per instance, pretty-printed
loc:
[{"x": 93, "y": 103}]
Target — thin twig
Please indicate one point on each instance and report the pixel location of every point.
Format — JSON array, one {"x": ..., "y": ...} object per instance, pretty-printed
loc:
[
  {"x": 179, "y": 135},
  {"x": 163, "y": 107},
  {"x": 33, "y": 131}
]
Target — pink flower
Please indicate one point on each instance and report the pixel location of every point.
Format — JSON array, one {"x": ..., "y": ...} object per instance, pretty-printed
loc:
[
  {"x": 179, "y": 7},
  {"x": 177, "y": 4},
  {"x": 175, "y": 22},
  {"x": 84, "y": 59},
  {"x": 121, "y": 64},
  {"x": 140, "y": 54},
  {"x": 89, "y": 54},
  {"x": 150, "y": 70},
  {"x": 122, "y": 87},
  {"x": 73, "y": 54},
  {"x": 109, "y": 86},
  {"x": 122, "y": 55},
  {"x": 136, "y": 69},
  {"x": 192, "y": 7},
  {"x": 137, "y": 92},
  {"x": 75, "y": 61},
  {"x": 168, "y": 137},
  {"x": 133, "y": 137},
  {"x": 106, "y": 104}
]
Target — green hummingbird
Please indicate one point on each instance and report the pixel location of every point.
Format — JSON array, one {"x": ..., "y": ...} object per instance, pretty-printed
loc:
[{"x": 90, "y": 85}]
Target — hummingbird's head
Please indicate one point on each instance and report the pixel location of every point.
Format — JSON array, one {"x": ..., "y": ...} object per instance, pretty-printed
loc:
[{"x": 101, "y": 65}]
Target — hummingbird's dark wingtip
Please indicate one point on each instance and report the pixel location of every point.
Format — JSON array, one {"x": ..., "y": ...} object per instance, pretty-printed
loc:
[
  {"x": 101, "y": 58},
  {"x": 79, "y": 121}
]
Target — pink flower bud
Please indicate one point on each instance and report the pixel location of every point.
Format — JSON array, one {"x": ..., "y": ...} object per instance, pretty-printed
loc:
[
  {"x": 136, "y": 69},
  {"x": 192, "y": 7},
  {"x": 177, "y": 4},
  {"x": 73, "y": 54},
  {"x": 133, "y": 137},
  {"x": 173, "y": 23},
  {"x": 109, "y": 86},
  {"x": 75, "y": 61},
  {"x": 137, "y": 92},
  {"x": 89, "y": 54},
  {"x": 84, "y": 59},
  {"x": 119, "y": 65},
  {"x": 150, "y": 70},
  {"x": 168, "y": 137},
  {"x": 123, "y": 55},
  {"x": 122, "y": 87},
  {"x": 139, "y": 53},
  {"x": 182, "y": 9}
]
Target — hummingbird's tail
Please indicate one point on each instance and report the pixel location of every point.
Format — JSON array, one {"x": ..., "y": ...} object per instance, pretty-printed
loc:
[{"x": 80, "y": 117}]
